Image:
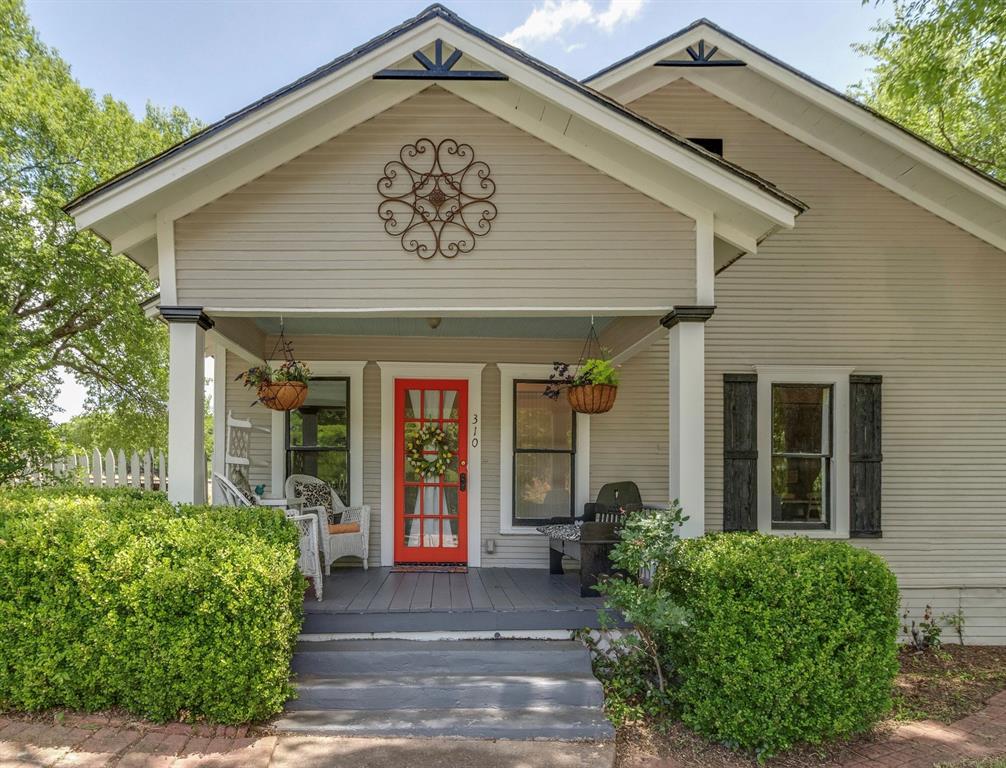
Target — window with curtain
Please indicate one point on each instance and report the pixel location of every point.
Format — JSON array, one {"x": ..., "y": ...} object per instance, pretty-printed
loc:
[
  {"x": 801, "y": 455},
  {"x": 317, "y": 436},
  {"x": 544, "y": 440}
]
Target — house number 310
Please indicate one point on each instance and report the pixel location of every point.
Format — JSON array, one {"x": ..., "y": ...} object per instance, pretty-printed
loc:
[{"x": 475, "y": 430}]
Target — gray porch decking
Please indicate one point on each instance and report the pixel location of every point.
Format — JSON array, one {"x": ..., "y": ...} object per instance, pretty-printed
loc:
[{"x": 484, "y": 599}]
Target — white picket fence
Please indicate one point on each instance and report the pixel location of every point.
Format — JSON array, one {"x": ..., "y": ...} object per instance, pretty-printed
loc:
[{"x": 111, "y": 470}]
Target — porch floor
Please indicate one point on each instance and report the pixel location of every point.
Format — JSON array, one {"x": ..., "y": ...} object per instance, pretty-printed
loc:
[{"x": 484, "y": 599}]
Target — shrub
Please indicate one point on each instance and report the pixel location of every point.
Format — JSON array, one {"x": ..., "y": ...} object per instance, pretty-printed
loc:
[
  {"x": 789, "y": 639},
  {"x": 118, "y": 599},
  {"x": 634, "y": 667}
]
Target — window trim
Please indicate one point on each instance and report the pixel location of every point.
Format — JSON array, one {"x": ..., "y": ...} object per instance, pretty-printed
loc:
[
  {"x": 827, "y": 498},
  {"x": 515, "y": 450},
  {"x": 290, "y": 449},
  {"x": 353, "y": 370},
  {"x": 838, "y": 379},
  {"x": 509, "y": 374}
]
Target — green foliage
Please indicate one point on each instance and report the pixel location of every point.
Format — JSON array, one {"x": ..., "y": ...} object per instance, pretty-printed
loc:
[
  {"x": 65, "y": 302},
  {"x": 635, "y": 667},
  {"x": 117, "y": 599},
  {"x": 596, "y": 370},
  {"x": 941, "y": 72},
  {"x": 26, "y": 441},
  {"x": 789, "y": 639},
  {"x": 956, "y": 621}
]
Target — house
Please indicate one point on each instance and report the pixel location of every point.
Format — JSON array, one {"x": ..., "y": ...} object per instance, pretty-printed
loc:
[{"x": 807, "y": 302}]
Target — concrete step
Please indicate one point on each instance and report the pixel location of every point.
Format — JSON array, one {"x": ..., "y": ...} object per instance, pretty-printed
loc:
[
  {"x": 458, "y": 657},
  {"x": 565, "y": 723},
  {"x": 382, "y": 692}
]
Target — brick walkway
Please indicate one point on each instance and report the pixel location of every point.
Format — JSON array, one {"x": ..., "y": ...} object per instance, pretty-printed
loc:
[
  {"x": 90, "y": 741},
  {"x": 87, "y": 741}
]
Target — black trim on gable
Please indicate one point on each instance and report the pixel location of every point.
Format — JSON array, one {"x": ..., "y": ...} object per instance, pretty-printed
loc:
[{"x": 432, "y": 12}]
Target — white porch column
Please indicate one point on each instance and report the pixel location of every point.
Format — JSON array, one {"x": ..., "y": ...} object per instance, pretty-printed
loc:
[
  {"x": 187, "y": 328},
  {"x": 687, "y": 413}
]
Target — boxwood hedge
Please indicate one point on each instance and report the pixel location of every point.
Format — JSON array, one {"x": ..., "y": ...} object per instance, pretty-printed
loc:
[
  {"x": 119, "y": 599},
  {"x": 789, "y": 639}
]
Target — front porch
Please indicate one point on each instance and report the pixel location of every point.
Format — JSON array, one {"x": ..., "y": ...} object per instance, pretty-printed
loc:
[{"x": 481, "y": 600}]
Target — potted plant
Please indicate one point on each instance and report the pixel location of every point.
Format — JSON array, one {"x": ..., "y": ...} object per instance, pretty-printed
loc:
[
  {"x": 590, "y": 389},
  {"x": 281, "y": 389}
]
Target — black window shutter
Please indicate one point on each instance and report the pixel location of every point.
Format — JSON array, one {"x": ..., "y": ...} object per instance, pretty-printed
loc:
[
  {"x": 740, "y": 452},
  {"x": 865, "y": 456}
]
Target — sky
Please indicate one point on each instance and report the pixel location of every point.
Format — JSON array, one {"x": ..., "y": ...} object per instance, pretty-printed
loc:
[{"x": 214, "y": 57}]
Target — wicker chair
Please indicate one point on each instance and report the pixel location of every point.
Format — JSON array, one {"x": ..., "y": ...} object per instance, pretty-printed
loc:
[
  {"x": 307, "y": 524},
  {"x": 334, "y": 545}
]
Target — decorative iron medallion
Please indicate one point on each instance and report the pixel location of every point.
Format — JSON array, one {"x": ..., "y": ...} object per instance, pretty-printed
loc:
[{"x": 437, "y": 198}]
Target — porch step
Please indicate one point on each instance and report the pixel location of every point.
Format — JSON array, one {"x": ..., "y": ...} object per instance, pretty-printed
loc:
[
  {"x": 567, "y": 723},
  {"x": 499, "y": 689}
]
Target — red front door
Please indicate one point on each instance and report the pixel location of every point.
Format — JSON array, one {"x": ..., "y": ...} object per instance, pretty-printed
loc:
[{"x": 431, "y": 471}]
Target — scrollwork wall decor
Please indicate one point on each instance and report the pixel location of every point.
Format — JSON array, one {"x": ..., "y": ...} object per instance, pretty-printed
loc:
[{"x": 437, "y": 198}]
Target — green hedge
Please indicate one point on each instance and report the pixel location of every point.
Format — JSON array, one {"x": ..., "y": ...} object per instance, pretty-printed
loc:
[
  {"x": 789, "y": 639},
  {"x": 117, "y": 599}
]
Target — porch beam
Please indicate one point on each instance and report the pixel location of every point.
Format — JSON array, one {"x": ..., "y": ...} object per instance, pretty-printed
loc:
[
  {"x": 687, "y": 413},
  {"x": 187, "y": 328}
]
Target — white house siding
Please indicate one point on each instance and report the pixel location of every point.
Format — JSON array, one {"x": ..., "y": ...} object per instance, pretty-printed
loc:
[
  {"x": 307, "y": 234},
  {"x": 870, "y": 280}
]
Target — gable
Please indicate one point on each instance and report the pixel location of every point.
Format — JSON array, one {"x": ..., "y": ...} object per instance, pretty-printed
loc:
[
  {"x": 308, "y": 233},
  {"x": 848, "y": 213},
  {"x": 819, "y": 116}
]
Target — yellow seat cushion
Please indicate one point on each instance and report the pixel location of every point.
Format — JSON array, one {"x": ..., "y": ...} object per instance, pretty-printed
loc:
[{"x": 343, "y": 527}]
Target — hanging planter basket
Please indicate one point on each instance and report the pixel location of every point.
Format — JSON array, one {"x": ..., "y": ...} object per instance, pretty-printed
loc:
[
  {"x": 592, "y": 398},
  {"x": 283, "y": 388},
  {"x": 283, "y": 395}
]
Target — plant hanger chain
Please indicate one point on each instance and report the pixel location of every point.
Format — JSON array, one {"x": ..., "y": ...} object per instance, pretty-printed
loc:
[{"x": 282, "y": 345}]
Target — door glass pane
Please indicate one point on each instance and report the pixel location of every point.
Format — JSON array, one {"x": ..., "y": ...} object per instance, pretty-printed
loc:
[
  {"x": 413, "y": 398},
  {"x": 431, "y": 500},
  {"x": 450, "y": 500},
  {"x": 542, "y": 422},
  {"x": 450, "y": 404},
  {"x": 412, "y": 531},
  {"x": 431, "y": 404},
  {"x": 542, "y": 485},
  {"x": 412, "y": 500},
  {"x": 431, "y": 532},
  {"x": 799, "y": 488},
  {"x": 450, "y": 531},
  {"x": 801, "y": 419}
]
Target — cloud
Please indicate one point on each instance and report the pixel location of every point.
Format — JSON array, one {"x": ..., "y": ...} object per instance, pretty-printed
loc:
[
  {"x": 574, "y": 47},
  {"x": 554, "y": 17}
]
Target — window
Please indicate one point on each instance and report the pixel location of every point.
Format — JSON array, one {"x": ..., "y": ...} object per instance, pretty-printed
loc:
[
  {"x": 544, "y": 455},
  {"x": 802, "y": 451},
  {"x": 712, "y": 145},
  {"x": 317, "y": 438}
]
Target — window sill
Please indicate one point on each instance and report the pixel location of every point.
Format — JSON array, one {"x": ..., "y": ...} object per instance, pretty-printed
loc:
[
  {"x": 521, "y": 530},
  {"x": 811, "y": 533}
]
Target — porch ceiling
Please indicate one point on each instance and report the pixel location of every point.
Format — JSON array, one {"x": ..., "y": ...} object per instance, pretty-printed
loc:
[{"x": 460, "y": 327}]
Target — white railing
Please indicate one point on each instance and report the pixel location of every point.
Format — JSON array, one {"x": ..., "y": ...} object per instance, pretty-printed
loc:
[{"x": 111, "y": 470}]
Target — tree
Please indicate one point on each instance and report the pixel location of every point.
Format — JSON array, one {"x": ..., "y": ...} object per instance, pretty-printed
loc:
[
  {"x": 941, "y": 71},
  {"x": 65, "y": 301}
]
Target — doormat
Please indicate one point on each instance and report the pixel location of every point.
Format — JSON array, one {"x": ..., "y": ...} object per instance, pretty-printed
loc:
[{"x": 430, "y": 569}]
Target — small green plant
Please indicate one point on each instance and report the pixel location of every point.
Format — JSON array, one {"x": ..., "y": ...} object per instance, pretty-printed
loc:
[
  {"x": 955, "y": 621},
  {"x": 924, "y": 635},
  {"x": 634, "y": 666},
  {"x": 260, "y": 375},
  {"x": 593, "y": 370}
]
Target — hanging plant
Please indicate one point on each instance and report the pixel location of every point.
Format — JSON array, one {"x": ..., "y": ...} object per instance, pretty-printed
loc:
[
  {"x": 592, "y": 385},
  {"x": 283, "y": 388},
  {"x": 416, "y": 451}
]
